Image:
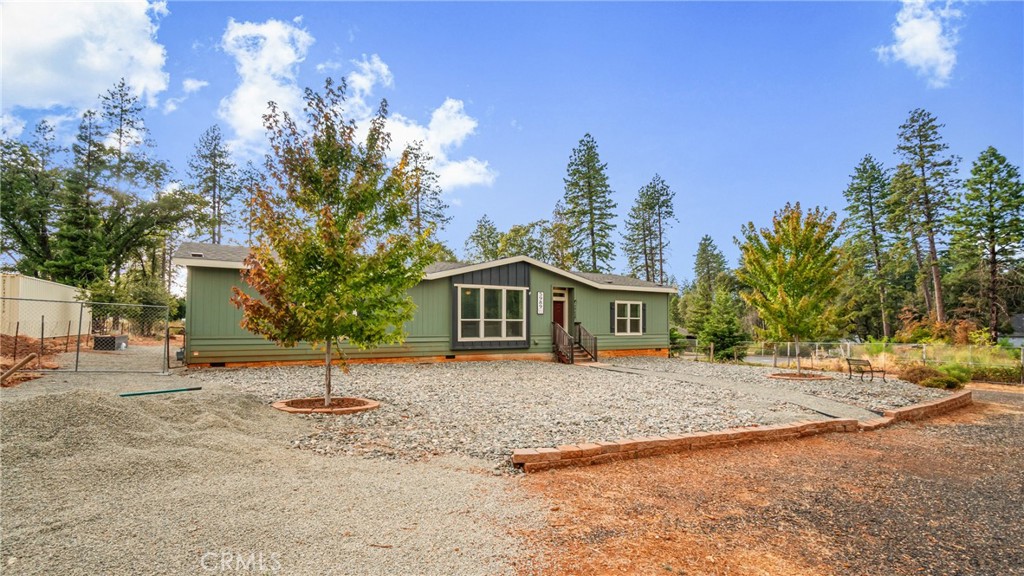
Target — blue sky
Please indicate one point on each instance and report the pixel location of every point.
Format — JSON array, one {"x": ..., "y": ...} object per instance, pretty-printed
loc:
[{"x": 740, "y": 107}]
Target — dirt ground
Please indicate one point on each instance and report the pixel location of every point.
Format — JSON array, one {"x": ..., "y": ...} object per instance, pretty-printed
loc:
[{"x": 942, "y": 497}]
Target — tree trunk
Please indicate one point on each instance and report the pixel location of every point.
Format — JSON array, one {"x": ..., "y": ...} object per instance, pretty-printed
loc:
[
  {"x": 933, "y": 257},
  {"x": 799, "y": 368},
  {"x": 327, "y": 375},
  {"x": 993, "y": 278},
  {"x": 920, "y": 273}
]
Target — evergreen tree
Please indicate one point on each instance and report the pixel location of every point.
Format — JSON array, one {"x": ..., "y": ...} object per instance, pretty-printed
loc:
[
  {"x": 792, "y": 273},
  {"x": 708, "y": 269},
  {"x": 79, "y": 254},
  {"x": 931, "y": 191},
  {"x": 905, "y": 226},
  {"x": 558, "y": 251},
  {"x": 336, "y": 254},
  {"x": 866, "y": 199},
  {"x": 639, "y": 241},
  {"x": 29, "y": 196},
  {"x": 216, "y": 180},
  {"x": 524, "y": 240},
  {"x": 722, "y": 327},
  {"x": 661, "y": 200},
  {"x": 483, "y": 243},
  {"x": 989, "y": 223},
  {"x": 589, "y": 208},
  {"x": 428, "y": 208}
]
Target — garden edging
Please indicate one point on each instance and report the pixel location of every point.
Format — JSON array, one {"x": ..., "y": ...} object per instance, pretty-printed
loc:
[{"x": 535, "y": 460}]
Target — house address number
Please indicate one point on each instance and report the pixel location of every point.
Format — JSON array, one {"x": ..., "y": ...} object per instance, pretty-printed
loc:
[{"x": 540, "y": 303}]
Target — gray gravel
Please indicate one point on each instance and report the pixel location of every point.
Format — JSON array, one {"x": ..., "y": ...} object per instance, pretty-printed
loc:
[
  {"x": 487, "y": 409},
  {"x": 876, "y": 396},
  {"x": 96, "y": 484}
]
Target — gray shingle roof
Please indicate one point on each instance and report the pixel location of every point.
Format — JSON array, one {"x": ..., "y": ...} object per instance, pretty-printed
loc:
[
  {"x": 219, "y": 252},
  {"x": 236, "y": 254},
  {"x": 618, "y": 280}
]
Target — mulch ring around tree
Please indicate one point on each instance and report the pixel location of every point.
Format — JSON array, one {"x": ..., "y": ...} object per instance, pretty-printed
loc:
[
  {"x": 342, "y": 405},
  {"x": 795, "y": 376}
]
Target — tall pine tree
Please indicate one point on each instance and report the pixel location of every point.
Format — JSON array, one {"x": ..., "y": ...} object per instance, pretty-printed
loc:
[
  {"x": 931, "y": 188},
  {"x": 989, "y": 223},
  {"x": 866, "y": 201},
  {"x": 483, "y": 243},
  {"x": 214, "y": 178},
  {"x": 589, "y": 208}
]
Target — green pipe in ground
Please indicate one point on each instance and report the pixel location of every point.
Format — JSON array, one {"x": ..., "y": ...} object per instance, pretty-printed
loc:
[{"x": 148, "y": 392}]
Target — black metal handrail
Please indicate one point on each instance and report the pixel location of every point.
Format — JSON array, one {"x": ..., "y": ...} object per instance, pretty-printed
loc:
[
  {"x": 587, "y": 341},
  {"x": 563, "y": 342}
]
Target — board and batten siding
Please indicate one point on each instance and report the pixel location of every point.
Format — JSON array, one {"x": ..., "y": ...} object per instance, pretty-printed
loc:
[
  {"x": 516, "y": 275},
  {"x": 214, "y": 334}
]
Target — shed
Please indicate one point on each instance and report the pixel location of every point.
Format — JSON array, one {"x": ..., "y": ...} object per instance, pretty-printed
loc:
[{"x": 510, "y": 308}]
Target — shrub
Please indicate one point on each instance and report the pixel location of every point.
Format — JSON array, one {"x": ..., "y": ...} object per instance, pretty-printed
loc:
[
  {"x": 946, "y": 382},
  {"x": 917, "y": 373},
  {"x": 1009, "y": 374},
  {"x": 962, "y": 373}
]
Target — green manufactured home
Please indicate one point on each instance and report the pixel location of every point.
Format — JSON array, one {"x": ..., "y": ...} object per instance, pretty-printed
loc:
[{"x": 510, "y": 308}]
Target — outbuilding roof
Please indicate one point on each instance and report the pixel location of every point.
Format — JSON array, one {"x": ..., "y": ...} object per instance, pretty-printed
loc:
[{"x": 224, "y": 256}]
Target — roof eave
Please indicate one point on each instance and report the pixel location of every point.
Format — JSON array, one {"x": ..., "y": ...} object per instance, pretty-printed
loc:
[{"x": 549, "y": 268}]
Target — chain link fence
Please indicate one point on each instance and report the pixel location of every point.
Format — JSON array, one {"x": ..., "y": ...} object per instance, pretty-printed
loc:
[
  {"x": 75, "y": 336},
  {"x": 987, "y": 363}
]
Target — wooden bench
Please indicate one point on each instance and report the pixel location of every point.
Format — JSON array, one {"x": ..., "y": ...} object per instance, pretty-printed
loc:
[{"x": 863, "y": 367}]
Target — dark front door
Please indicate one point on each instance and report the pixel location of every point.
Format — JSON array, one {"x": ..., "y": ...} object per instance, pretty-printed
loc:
[{"x": 558, "y": 310}]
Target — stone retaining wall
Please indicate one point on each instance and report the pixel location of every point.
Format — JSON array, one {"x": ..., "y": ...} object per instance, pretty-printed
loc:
[{"x": 535, "y": 460}]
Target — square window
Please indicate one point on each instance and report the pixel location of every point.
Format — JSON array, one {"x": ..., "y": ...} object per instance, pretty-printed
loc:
[
  {"x": 492, "y": 328},
  {"x": 634, "y": 310},
  {"x": 470, "y": 329},
  {"x": 620, "y": 310},
  {"x": 514, "y": 305},
  {"x": 634, "y": 325},
  {"x": 514, "y": 329},
  {"x": 470, "y": 303},
  {"x": 492, "y": 304},
  {"x": 621, "y": 325}
]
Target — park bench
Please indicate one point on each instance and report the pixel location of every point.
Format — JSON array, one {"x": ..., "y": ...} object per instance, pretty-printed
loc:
[{"x": 863, "y": 367}]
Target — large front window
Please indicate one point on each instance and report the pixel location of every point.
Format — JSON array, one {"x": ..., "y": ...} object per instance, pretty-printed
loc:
[
  {"x": 492, "y": 313},
  {"x": 628, "y": 318}
]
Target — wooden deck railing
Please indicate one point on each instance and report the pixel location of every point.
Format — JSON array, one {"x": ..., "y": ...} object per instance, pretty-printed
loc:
[
  {"x": 587, "y": 341},
  {"x": 563, "y": 343}
]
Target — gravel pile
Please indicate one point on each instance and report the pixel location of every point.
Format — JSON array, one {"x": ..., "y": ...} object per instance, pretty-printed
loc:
[
  {"x": 876, "y": 396},
  {"x": 96, "y": 484},
  {"x": 487, "y": 409}
]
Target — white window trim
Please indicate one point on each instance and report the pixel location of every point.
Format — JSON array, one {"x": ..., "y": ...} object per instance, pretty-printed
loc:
[
  {"x": 504, "y": 321},
  {"x": 627, "y": 317}
]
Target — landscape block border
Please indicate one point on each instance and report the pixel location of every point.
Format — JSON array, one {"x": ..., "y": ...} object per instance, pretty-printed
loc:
[{"x": 538, "y": 459}]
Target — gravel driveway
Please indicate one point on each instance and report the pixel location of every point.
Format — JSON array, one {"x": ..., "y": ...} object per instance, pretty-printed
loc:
[
  {"x": 487, "y": 409},
  {"x": 876, "y": 395}
]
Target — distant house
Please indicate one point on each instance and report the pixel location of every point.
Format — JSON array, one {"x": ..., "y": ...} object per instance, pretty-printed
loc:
[
  {"x": 1017, "y": 337},
  {"x": 508, "y": 308}
]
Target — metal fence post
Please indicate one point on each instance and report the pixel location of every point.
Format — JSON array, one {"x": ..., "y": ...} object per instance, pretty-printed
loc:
[
  {"x": 78, "y": 340},
  {"x": 167, "y": 340},
  {"x": 42, "y": 340}
]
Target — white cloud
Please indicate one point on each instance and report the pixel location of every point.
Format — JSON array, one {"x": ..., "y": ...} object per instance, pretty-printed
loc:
[
  {"x": 267, "y": 56},
  {"x": 328, "y": 66},
  {"x": 191, "y": 85},
  {"x": 925, "y": 40},
  {"x": 67, "y": 54},
  {"x": 11, "y": 126},
  {"x": 449, "y": 127},
  {"x": 188, "y": 86}
]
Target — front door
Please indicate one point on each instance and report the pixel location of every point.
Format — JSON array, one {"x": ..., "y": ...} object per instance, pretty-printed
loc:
[{"x": 558, "y": 311}]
